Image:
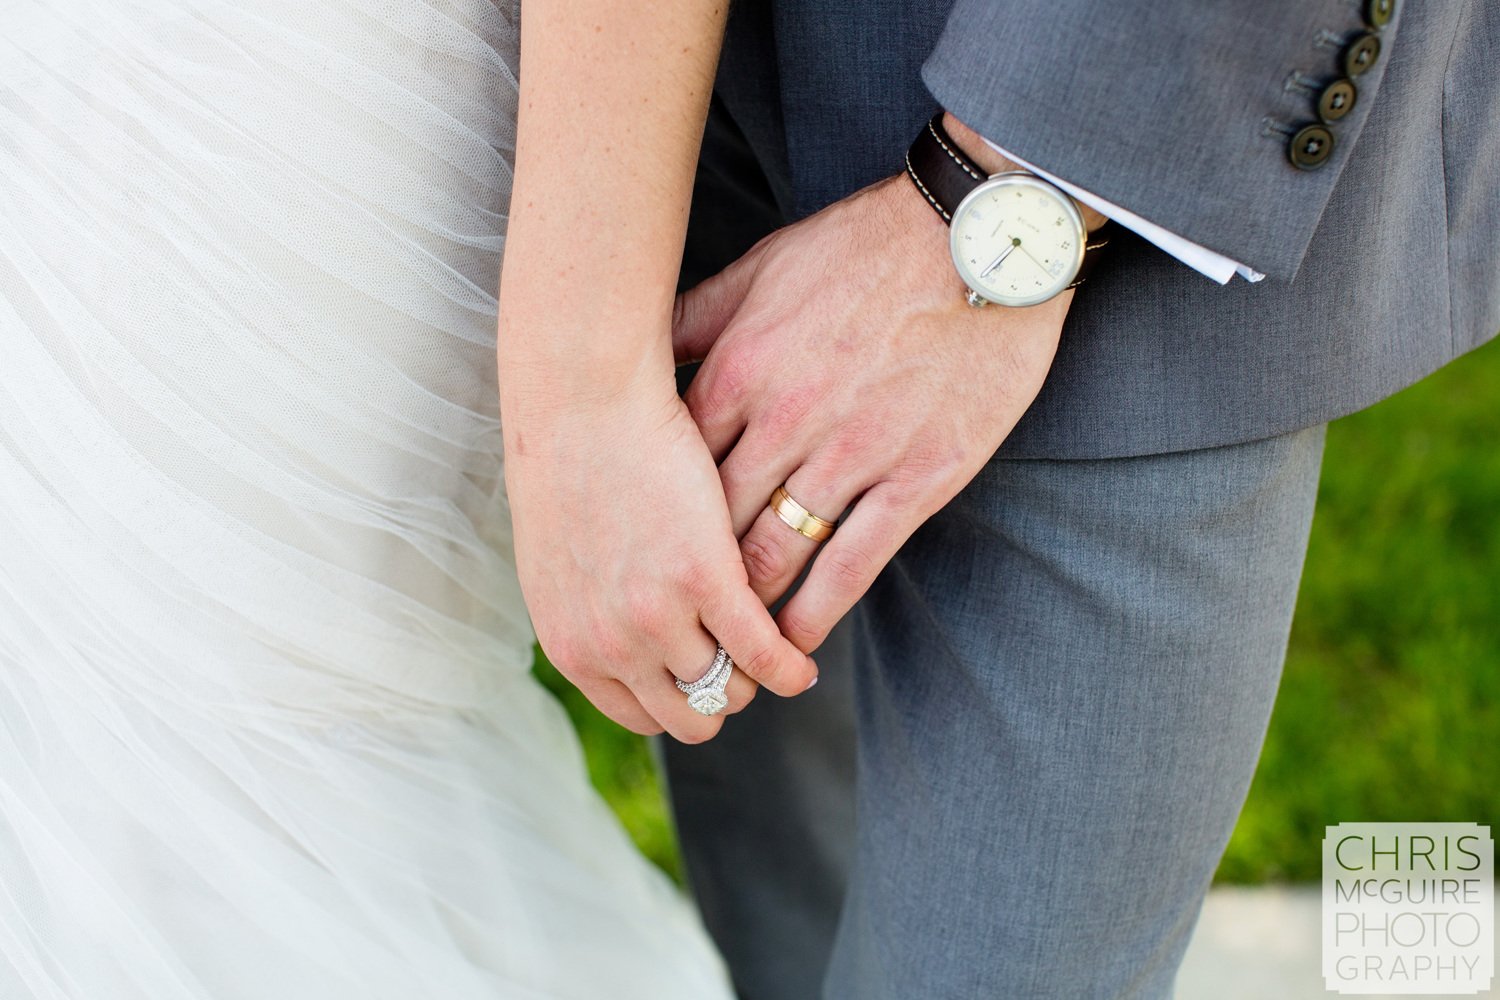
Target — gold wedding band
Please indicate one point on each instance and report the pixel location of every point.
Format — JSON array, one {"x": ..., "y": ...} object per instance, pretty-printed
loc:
[{"x": 799, "y": 518}]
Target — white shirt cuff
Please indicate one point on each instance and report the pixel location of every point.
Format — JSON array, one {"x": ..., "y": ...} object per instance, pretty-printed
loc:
[{"x": 1200, "y": 258}]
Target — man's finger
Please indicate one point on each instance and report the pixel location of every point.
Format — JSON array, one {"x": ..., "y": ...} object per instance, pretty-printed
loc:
[
  {"x": 751, "y": 471},
  {"x": 717, "y": 399},
  {"x": 741, "y": 622},
  {"x": 849, "y": 562},
  {"x": 701, "y": 313},
  {"x": 774, "y": 552}
]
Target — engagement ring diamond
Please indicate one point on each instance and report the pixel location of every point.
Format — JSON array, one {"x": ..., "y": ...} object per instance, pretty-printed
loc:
[{"x": 706, "y": 694}]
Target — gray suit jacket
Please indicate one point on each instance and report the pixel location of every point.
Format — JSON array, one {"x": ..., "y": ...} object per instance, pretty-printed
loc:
[{"x": 1383, "y": 263}]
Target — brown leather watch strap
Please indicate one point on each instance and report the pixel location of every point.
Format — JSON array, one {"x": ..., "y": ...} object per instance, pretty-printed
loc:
[
  {"x": 940, "y": 170},
  {"x": 945, "y": 176}
]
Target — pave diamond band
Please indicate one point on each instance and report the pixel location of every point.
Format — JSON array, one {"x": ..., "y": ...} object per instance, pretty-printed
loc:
[{"x": 706, "y": 694}]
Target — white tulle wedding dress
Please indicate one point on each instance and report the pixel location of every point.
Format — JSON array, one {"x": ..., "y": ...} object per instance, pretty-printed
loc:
[{"x": 267, "y": 730}]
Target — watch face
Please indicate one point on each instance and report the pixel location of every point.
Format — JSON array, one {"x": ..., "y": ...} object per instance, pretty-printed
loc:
[{"x": 1017, "y": 240}]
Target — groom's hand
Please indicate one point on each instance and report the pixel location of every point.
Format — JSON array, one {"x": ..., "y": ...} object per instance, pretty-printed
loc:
[{"x": 841, "y": 359}]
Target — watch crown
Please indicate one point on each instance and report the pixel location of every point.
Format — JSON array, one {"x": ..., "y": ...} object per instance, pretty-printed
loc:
[{"x": 976, "y": 300}]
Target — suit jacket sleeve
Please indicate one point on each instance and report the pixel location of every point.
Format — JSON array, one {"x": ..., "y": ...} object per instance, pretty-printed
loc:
[{"x": 1179, "y": 110}]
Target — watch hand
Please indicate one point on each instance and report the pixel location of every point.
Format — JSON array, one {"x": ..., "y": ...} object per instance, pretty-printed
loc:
[
  {"x": 1032, "y": 259},
  {"x": 1014, "y": 243}
]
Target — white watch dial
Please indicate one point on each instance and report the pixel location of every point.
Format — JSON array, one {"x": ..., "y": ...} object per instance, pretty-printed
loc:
[{"x": 1017, "y": 240}]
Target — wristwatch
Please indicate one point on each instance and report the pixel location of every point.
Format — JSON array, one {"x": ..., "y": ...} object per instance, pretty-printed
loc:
[{"x": 1016, "y": 239}]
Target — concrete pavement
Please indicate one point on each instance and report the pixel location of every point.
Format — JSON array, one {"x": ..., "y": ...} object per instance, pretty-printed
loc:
[{"x": 1259, "y": 943}]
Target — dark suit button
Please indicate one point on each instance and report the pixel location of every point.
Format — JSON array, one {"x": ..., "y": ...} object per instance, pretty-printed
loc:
[
  {"x": 1311, "y": 147},
  {"x": 1337, "y": 100},
  {"x": 1378, "y": 13},
  {"x": 1361, "y": 53}
]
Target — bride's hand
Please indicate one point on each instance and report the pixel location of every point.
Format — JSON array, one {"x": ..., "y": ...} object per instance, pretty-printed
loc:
[
  {"x": 627, "y": 559},
  {"x": 622, "y": 531}
]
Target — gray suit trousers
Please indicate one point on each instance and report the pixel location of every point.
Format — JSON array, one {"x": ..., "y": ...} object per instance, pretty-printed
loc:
[{"x": 1059, "y": 691}]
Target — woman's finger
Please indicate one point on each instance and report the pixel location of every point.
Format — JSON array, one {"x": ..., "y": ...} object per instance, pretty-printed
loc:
[
  {"x": 741, "y": 691},
  {"x": 741, "y": 622},
  {"x": 658, "y": 692},
  {"x": 699, "y": 659},
  {"x": 616, "y": 701}
]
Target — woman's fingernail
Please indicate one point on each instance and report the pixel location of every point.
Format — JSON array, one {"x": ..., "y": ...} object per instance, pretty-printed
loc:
[{"x": 812, "y": 684}]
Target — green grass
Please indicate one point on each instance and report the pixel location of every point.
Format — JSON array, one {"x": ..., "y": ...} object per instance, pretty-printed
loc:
[
  {"x": 1390, "y": 705},
  {"x": 621, "y": 767}
]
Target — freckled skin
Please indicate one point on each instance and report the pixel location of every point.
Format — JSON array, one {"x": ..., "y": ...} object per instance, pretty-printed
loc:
[
  {"x": 623, "y": 544},
  {"x": 627, "y": 532}
]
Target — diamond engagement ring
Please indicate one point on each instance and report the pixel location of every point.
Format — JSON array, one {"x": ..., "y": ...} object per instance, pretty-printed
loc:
[{"x": 706, "y": 694}]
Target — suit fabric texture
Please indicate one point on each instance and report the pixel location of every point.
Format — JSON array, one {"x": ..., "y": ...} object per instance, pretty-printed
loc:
[
  {"x": 1054, "y": 697},
  {"x": 1382, "y": 264}
]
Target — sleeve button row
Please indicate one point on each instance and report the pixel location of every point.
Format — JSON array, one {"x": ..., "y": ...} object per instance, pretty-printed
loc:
[{"x": 1312, "y": 145}]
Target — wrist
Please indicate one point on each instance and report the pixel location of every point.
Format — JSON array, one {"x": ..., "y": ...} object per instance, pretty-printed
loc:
[
  {"x": 545, "y": 391},
  {"x": 992, "y": 162}
]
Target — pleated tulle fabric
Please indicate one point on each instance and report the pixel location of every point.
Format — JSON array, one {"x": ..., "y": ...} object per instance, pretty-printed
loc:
[{"x": 267, "y": 727}]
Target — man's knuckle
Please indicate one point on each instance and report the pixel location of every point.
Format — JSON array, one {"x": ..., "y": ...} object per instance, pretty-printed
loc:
[
  {"x": 904, "y": 491},
  {"x": 848, "y": 567},
  {"x": 847, "y": 449},
  {"x": 840, "y": 452},
  {"x": 712, "y": 396},
  {"x": 731, "y": 379},
  {"x": 787, "y": 413},
  {"x": 763, "y": 560}
]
